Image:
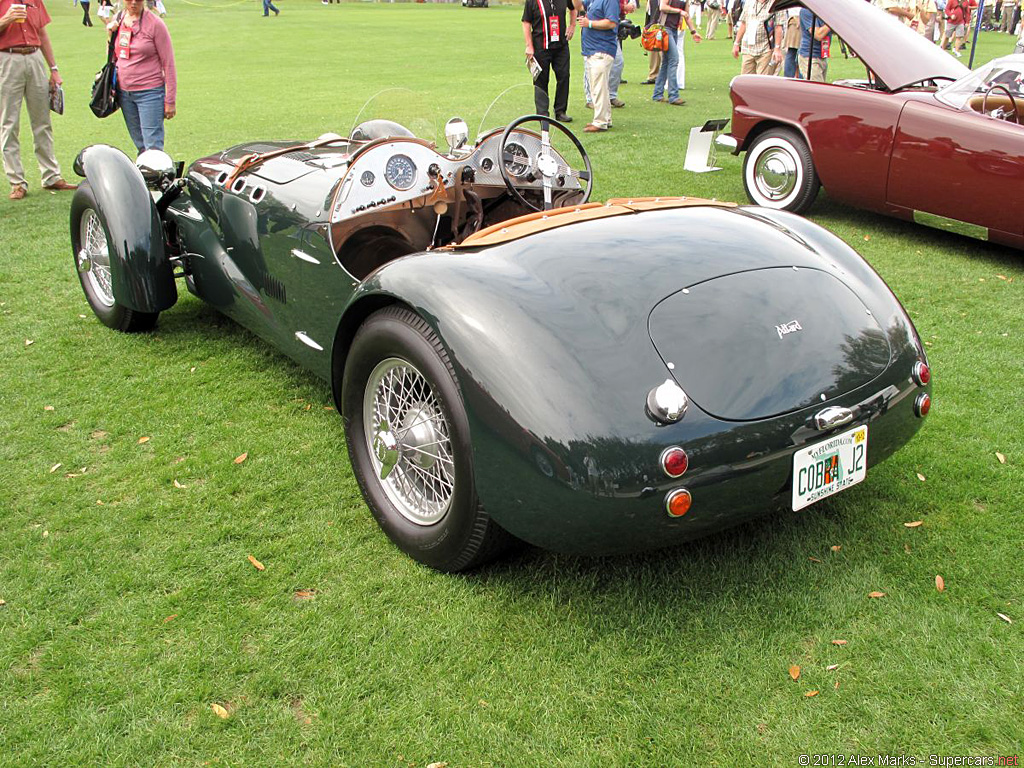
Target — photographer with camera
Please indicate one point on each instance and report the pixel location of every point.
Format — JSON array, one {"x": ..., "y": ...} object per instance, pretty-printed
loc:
[
  {"x": 600, "y": 45},
  {"x": 547, "y": 43}
]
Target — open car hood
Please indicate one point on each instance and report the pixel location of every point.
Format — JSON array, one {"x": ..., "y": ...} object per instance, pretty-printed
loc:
[{"x": 875, "y": 35}]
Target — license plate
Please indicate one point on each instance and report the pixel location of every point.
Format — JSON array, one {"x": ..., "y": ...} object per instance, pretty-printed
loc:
[{"x": 830, "y": 466}]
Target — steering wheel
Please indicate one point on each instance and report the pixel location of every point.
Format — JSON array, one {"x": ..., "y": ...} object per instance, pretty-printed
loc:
[
  {"x": 1013, "y": 101},
  {"x": 553, "y": 172}
]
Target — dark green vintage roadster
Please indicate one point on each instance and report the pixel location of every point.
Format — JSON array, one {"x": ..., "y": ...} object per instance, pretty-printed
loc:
[{"x": 510, "y": 360}]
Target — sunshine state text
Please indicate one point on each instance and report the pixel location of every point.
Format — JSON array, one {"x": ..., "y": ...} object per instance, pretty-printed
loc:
[{"x": 931, "y": 760}]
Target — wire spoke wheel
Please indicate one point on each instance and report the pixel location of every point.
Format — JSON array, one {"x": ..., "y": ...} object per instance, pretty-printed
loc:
[
  {"x": 409, "y": 441},
  {"x": 94, "y": 257}
]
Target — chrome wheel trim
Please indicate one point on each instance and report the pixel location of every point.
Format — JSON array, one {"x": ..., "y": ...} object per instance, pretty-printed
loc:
[
  {"x": 96, "y": 256},
  {"x": 409, "y": 442},
  {"x": 775, "y": 173}
]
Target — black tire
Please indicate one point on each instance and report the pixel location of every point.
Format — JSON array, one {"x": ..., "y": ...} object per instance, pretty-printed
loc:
[
  {"x": 89, "y": 240},
  {"x": 398, "y": 371},
  {"x": 778, "y": 171}
]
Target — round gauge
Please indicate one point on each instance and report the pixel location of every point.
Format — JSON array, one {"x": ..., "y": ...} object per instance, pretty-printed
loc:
[
  {"x": 367, "y": 178},
  {"x": 517, "y": 160},
  {"x": 400, "y": 172},
  {"x": 486, "y": 165}
]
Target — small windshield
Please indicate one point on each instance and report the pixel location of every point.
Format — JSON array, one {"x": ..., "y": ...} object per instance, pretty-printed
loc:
[{"x": 1007, "y": 71}]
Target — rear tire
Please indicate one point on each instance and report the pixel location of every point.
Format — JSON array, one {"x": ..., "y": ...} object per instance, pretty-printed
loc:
[
  {"x": 405, "y": 419},
  {"x": 89, "y": 241},
  {"x": 778, "y": 171}
]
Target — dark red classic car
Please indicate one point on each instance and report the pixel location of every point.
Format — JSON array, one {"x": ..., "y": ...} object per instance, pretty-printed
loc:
[{"x": 921, "y": 137}]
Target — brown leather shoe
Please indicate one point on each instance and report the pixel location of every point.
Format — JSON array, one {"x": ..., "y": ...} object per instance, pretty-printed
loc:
[
  {"x": 18, "y": 193},
  {"x": 677, "y": 102},
  {"x": 591, "y": 128},
  {"x": 60, "y": 186}
]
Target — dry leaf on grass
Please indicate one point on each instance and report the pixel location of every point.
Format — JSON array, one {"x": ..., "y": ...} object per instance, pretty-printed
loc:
[
  {"x": 836, "y": 547},
  {"x": 46, "y": 534},
  {"x": 29, "y": 342},
  {"x": 839, "y": 642},
  {"x": 814, "y": 559},
  {"x": 243, "y": 457},
  {"x": 50, "y": 408},
  {"x": 831, "y": 667},
  {"x": 1001, "y": 457},
  {"x": 304, "y": 594},
  {"x": 256, "y": 563},
  {"x": 143, "y": 440},
  {"x": 220, "y": 711},
  {"x": 3, "y": 603},
  {"x": 809, "y": 694},
  {"x": 794, "y": 672},
  {"x": 192, "y": 369},
  {"x": 1001, "y": 277},
  {"x": 172, "y": 617},
  {"x": 1005, "y": 618},
  {"x": 914, "y": 524},
  {"x": 98, "y": 434},
  {"x": 483, "y": 703},
  {"x": 876, "y": 594},
  {"x": 178, "y": 485},
  {"x": 55, "y": 467},
  {"x": 438, "y": 765},
  {"x": 940, "y": 583},
  {"x": 920, "y": 477},
  {"x": 836, "y": 686},
  {"x": 906, "y": 548}
]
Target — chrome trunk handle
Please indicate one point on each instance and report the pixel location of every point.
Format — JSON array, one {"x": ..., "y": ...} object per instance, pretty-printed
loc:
[{"x": 832, "y": 417}]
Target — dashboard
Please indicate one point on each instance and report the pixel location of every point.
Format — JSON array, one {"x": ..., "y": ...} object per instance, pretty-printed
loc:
[{"x": 400, "y": 171}]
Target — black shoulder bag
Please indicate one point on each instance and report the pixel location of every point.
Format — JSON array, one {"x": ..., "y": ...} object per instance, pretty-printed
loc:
[{"x": 104, "y": 101}]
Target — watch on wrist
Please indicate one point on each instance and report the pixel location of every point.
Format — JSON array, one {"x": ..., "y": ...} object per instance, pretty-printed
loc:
[{"x": 53, "y": 68}]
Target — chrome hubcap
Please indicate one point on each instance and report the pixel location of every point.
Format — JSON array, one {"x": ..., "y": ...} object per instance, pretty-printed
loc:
[
  {"x": 776, "y": 173},
  {"x": 409, "y": 441},
  {"x": 94, "y": 258}
]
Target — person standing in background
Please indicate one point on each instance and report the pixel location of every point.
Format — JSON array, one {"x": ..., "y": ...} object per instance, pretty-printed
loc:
[
  {"x": 759, "y": 51},
  {"x": 815, "y": 42},
  {"x": 714, "y": 12},
  {"x": 28, "y": 71},
  {"x": 86, "y": 21},
  {"x": 673, "y": 15},
  {"x": 147, "y": 82},
  {"x": 547, "y": 42},
  {"x": 600, "y": 42},
  {"x": 791, "y": 42}
]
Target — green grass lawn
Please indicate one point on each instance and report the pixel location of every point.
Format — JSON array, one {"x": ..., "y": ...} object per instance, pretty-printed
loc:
[{"x": 130, "y": 606}]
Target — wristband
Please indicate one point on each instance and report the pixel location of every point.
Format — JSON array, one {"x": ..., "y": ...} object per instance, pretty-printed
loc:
[{"x": 53, "y": 68}]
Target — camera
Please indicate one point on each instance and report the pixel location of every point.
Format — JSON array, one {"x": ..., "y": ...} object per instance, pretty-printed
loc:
[{"x": 628, "y": 30}]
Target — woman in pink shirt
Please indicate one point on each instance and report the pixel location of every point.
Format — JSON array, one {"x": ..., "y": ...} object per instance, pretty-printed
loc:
[{"x": 147, "y": 83}]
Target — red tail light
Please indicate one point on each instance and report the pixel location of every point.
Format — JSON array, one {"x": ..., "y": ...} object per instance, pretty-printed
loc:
[
  {"x": 922, "y": 404},
  {"x": 922, "y": 375},
  {"x": 674, "y": 461}
]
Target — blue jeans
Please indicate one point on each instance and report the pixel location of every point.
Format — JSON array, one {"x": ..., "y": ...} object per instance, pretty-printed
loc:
[
  {"x": 144, "y": 115},
  {"x": 669, "y": 64},
  {"x": 268, "y": 6},
  {"x": 791, "y": 65}
]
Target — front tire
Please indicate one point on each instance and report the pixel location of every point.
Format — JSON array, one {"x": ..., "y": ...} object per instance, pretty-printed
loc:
[
  {"x": 409, "y": 444},
  {"x": 778, "y": 171},
  {"x": 89, "y": 240}
]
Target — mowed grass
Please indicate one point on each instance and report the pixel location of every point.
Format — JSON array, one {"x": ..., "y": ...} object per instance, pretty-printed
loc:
[{"x": 130, "y": 605}]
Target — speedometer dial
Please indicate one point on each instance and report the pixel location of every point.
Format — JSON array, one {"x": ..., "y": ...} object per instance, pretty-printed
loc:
[
  {"x": 400, "y": 172},
  {"x": 517, "y": 159}
]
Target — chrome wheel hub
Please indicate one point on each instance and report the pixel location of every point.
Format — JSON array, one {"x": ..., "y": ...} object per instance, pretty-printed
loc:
[
  {"x": 776, "y": 173},
  {"x": 409, "y": 441},
  {"x": 94, "y": 258}
]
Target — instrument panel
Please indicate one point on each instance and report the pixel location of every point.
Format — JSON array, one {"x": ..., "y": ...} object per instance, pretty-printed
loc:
[{"x": 400, "y": 170}]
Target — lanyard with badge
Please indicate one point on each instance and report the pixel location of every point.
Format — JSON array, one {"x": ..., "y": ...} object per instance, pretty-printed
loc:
[{"x": 124, "y": 42}]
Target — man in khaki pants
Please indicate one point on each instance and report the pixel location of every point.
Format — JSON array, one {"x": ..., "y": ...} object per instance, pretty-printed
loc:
[
  {"x": 759, "y": 51},
  {"x": 27, "y": 72}
]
